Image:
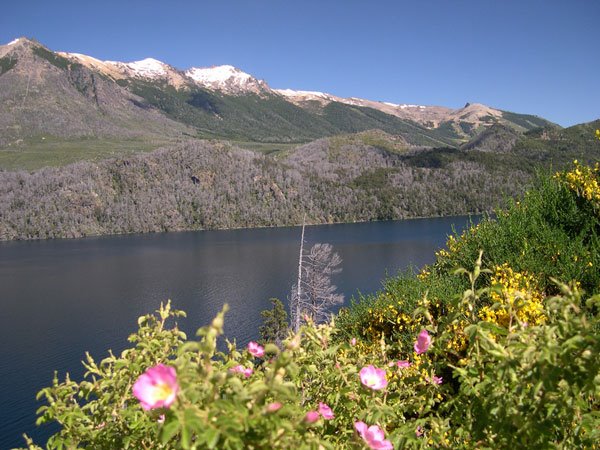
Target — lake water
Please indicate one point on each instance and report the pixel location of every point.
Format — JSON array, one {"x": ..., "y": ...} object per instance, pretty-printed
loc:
[{"x": 60, "y": 298}]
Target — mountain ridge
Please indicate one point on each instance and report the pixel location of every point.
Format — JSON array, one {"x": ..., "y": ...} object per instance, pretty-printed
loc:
[
  {"x": 457, "y": 124},
  {"x": 52, "y": 96}
]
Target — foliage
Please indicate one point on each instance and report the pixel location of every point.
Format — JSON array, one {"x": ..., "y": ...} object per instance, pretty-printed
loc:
[
  {"x": 7, "y": 63},
  {"x": 499, "y": 356},
  {"x": 534, "y": 385},
  {"x": 275, "y": 323},
  {"x": 550, "y": 233},
  {"x": 53, "y": 58},
  {"x": 210, "y": 184}
]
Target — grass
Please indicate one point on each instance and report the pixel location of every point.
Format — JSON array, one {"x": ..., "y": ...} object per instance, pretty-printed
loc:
[
  {"x": 267, "y": 148},
  {"x": 48, "y": 151}
]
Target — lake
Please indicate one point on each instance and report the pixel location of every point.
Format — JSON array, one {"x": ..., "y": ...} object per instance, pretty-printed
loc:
[{"x": 60, "y": 298}]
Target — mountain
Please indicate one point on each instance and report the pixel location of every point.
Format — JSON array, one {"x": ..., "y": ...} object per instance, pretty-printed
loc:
[
  {"x": 45, "y": 94},
  {"x": 70, "y": 96}
]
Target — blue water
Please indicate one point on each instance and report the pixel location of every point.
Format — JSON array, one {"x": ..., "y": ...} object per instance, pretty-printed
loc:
[{"x": 60, "y": 298}]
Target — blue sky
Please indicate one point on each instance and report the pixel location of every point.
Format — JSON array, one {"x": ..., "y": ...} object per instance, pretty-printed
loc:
[{"x": 530, "y": 56}]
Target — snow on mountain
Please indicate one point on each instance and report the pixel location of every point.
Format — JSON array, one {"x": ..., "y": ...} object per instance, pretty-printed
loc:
[
  {"x": 146, "y": 68},
  {"x": 230, "y": 80},
  {"x": 430, "y": 115},
  {"x": 227, "y": 79},
  {"x": 305, "y": 96},
  {"x": 149, "y": 68}
]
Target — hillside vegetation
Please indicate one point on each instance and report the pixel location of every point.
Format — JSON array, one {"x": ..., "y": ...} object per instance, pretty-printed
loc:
[
  {"x": 494, "y": 346},
  {"x": 208, "y": 185},
  {"x": 197, "y": 185}
]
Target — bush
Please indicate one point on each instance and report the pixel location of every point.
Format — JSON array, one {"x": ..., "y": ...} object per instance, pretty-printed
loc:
[
  {"x": 499, "y": 356},
  {"x": 537, "y": 385}
]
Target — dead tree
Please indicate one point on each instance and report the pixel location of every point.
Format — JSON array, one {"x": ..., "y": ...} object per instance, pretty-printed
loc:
[{"x": 313, "y": 295}]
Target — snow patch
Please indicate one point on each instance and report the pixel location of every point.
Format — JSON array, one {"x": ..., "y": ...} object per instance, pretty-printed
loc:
[
  {"x": 149, "y": 68},
  {"x": 226, "y": 78},
  {"x": 305, "y": 95},
  {"x": 13, "y": 42},
  {"x": 217, "y": 74}
]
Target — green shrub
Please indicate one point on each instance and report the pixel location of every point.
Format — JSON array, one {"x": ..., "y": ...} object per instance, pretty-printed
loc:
[
  {"x": 499, "y": 357},
  {"x": 534, "y": 386}
]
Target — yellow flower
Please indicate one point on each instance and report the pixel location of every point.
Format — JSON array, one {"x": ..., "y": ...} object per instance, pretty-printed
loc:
[
  {"x": 517, "y": 298},
  {"x": 583, "y": 181}
]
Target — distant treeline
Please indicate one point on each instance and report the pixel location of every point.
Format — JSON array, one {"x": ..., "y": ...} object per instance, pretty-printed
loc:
[{"x": 208, "y": 185}]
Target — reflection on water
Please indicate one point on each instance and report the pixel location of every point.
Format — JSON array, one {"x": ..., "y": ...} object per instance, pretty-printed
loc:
[{"x": 61, "y": 298}]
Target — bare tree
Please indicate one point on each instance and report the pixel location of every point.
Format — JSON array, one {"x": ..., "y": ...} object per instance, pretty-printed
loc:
[{"x": 313, "y": 295}]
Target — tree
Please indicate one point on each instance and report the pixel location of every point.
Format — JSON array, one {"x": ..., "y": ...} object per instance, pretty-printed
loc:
[
  {"x": 275, "y": 323},
  {"x": 313, "y": 294}
]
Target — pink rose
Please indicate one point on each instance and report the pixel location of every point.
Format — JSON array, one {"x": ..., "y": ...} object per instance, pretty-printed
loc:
[
  {"x": 157, "y": 387},
  {"x": 311, "y": 417},
  {"x": 373, "y": 436},
  {"x": 275, "y": 406},
  {"x": 325, "y": 411},
  {"x": 423, "y": 342},
  {"x": 243, "y": 370},
  {"x": 373, "y": 377},
  {"x": 256, "y": 350}
]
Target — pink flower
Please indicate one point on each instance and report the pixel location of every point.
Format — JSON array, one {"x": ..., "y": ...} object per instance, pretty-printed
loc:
[
  {"x": 436, "y": 380},
  {"x": 403, "y": 364},
  {"x": 423, "y": 342},
  {"x": 161, "y": 418},
  {"x": 311, "y": 417},
  {"x": 419, "y": 431},
  {"x": 157, "y": 387},
  {"x": 373, "y": 436},
  {"x": 275, "y": 406},
  {"x": 255, "y": 349},
  {"x": 325, "y": 411},
  {"x": 241, "y": 369},
  {"x": 353, "y": 342},
  {"x": 373, "y": 377}
]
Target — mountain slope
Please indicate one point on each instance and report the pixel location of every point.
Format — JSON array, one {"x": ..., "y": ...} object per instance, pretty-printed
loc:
[
  {"x": 70, "y": 95},
  {"x": 43, "y": 93}
]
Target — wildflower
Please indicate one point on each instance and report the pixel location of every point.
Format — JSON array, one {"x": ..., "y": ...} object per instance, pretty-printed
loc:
[
  {"x": 243, "y": 370},
  {"x": 353, "y": 342},
  {"x": 423, "y": 342},
  {"x": 419, "y": 431},
  {"x": 373, "y": 436},
  {"x": 157, "y": 387},
  {"x": 435, "y": 380},
  {"x": 311, "y": 417},
  {"x": 256, "y": 350},
  {"x": 161, "y": 418},
  {"x": 373, "y": 377},
  {"x": 325, "y": 411},
  {"x": 403, "y": 364},
  {"x": 275, "y": 406}
]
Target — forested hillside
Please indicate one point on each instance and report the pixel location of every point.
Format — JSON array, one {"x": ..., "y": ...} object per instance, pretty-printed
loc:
[{"x": 203, "y": 185}]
